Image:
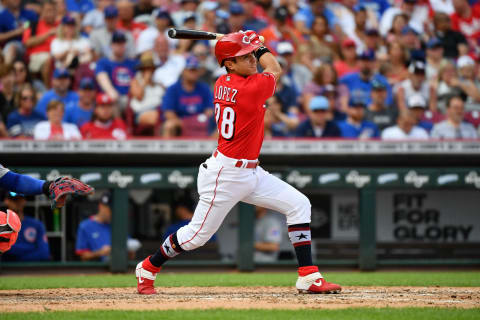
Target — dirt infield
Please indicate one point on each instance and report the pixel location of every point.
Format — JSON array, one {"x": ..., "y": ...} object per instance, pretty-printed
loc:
[{"x": 235, "y": 298}]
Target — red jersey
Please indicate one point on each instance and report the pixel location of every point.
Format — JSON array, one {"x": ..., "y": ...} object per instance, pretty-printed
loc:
[
  {"x": 115, "y": 129},
  {"x": 470, "y": 27},
  {"x": 239, "y": 112},
  {"x": 42, "y": 28}
]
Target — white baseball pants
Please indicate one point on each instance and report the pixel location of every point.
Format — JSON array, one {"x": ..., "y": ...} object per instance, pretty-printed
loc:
[{"x": 221, "y": 186}]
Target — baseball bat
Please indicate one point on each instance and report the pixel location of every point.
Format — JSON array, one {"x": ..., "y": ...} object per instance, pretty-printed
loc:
[{"x": 196, "y": 34}]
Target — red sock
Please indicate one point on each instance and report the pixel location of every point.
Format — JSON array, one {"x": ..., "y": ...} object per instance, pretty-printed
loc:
[
  {"x": 147, "y": 265},
  {"x": 304, "y": 271}
]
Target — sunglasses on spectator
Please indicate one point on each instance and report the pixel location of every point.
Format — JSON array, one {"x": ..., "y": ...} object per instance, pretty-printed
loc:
[{"x": 27, "y": 97}]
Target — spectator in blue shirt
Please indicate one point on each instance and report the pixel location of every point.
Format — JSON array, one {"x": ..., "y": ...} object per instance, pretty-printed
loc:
[
  {"x": 317, "y": 125},
  {"x": 355, "y": 126},
  {"x": 32, "y": 242},
  {"x": 306, "y": 15},
  {"x": 115, "y": 74},
  {"x": 94, "y": 235},
  {"x": 187, "y": 99},
  {"x": 82, "y": 112},
  {"x": 60, "y": 91},
  {"x": 22, "y": 121},
  {"x": 13, "y": 21},
  {"x": 360, "y": 83}
]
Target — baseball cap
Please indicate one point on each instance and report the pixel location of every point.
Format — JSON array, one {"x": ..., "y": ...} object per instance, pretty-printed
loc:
[
  {"x": 417, "y": 67},
  {"x": 106, "y": 199},
  {"x": 103, "y": 98},
  {"x": 465, "y": 61},
  {"x": 161, "y": 14},
  {"x": 236, "y": 8},
  {"x": 87, "y": 83},
  {"x": 348, "y": 43},
  {"x": 281, "y": 13},
  {"x": 13, "y": 195},
  {"x": 319, "y": 103},
  {"x": 372, "y": 32},
  {"x": 192, "y": 62},
  {"x": 358, "y": 99},
  {"x": 417, "y": 101},
  {"x": 367, "y": 55},
  {"x": 110, "y": 12},
  {"x": 210, "y": 5},
  {"x": 378, "y": 85},
  {"x": 61, "y": 73},
  {"x": 68, "y": 20},
  {"x": 118, "y": 37},
  {"x": 284, "y": 47},
  {"x": 359, "y": 7},
  {"x": 407, "y": 29},
  {"x": 189, "y": 16},
  {"x": 434, "y": 43}
]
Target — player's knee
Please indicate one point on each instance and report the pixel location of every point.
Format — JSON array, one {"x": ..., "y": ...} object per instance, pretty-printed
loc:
[
  {"x": 304, "y": 204},
  {"x": 301, "y": 212}
]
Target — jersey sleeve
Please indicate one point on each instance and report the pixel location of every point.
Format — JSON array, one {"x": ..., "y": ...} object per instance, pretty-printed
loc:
[
  {"x": 169, "y": 100},
  {"x": 262, "y": 85},
  {"x": 102, "y": 66}
]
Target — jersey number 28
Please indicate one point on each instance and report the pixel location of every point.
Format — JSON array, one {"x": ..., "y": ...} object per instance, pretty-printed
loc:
[{"x": 227, "y": 125}]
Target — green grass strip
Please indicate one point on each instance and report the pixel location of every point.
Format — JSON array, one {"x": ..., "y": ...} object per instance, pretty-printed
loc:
[
  {"x": 307, "y": 314},
  {"x": 167, "y": 279}
]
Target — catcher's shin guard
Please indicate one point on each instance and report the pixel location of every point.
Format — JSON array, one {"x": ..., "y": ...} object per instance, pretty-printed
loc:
[
  {"x": 311, "y": 281},
  {"x": 146, "y": 274}
]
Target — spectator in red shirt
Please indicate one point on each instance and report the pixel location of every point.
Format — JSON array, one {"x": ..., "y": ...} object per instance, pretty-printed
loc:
[
  {"x": 104, "y": 125},
  {"x": 126, "y": 11},
  {"x": 466, "y": 19},
  {"x": 37, "y": 39},
  {"x": 349, "y": 62}
]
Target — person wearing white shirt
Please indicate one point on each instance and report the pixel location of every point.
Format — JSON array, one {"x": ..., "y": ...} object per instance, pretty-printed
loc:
[
  {"x": 170, "y": 65},
  {"x": 405, "y": 129},
  {"x": 416, "y": 12},
  {"x": 454, "y": 127},
  {"x": 54, "y": 128}
]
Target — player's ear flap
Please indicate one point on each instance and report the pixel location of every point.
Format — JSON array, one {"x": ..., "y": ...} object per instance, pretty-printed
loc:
[{"x": 13, "y": 221}]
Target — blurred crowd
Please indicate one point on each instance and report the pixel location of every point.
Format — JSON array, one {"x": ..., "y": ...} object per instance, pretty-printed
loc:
[{"x": 357, "y": 69}]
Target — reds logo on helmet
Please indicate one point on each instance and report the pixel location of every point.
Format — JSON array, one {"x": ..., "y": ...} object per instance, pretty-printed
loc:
[
  {"x": 10, "y": 225},
  {"x": 234, "y": 45}
]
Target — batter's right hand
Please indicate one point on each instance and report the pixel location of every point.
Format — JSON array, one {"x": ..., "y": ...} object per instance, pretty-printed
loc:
[{"x": 253, "y": 36}]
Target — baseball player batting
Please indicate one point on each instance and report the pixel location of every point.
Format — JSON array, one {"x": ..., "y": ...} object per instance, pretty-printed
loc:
[
  {"x": 233, "y": 174},
  {"x": 57, "y": 191}
]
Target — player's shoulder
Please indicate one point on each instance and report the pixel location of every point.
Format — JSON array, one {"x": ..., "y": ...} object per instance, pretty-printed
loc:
[{"x": 32, "y": 222}]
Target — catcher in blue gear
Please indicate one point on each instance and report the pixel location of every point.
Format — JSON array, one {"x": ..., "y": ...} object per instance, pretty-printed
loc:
[{"x": 57, "y": 191}]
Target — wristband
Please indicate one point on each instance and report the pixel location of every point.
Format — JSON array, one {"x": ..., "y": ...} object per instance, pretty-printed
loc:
[
  {"x": 45, "y": 188},
  {"x": 260, "y": 52}
]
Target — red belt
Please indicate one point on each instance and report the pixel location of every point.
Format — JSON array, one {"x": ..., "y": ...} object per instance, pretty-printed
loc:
[{"x": 252, "y": 164}]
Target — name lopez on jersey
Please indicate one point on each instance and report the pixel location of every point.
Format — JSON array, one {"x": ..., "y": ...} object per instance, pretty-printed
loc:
[{"x": 225, "y": 93}]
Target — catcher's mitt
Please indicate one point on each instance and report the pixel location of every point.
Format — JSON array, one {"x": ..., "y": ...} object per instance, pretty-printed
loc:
[{"x": 58, "y": 190}]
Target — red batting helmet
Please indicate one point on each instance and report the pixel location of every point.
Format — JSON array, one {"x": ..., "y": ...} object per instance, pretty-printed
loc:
[
  {"x": 234, "y": 45},
  {"x": 10, "y": 225}
]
